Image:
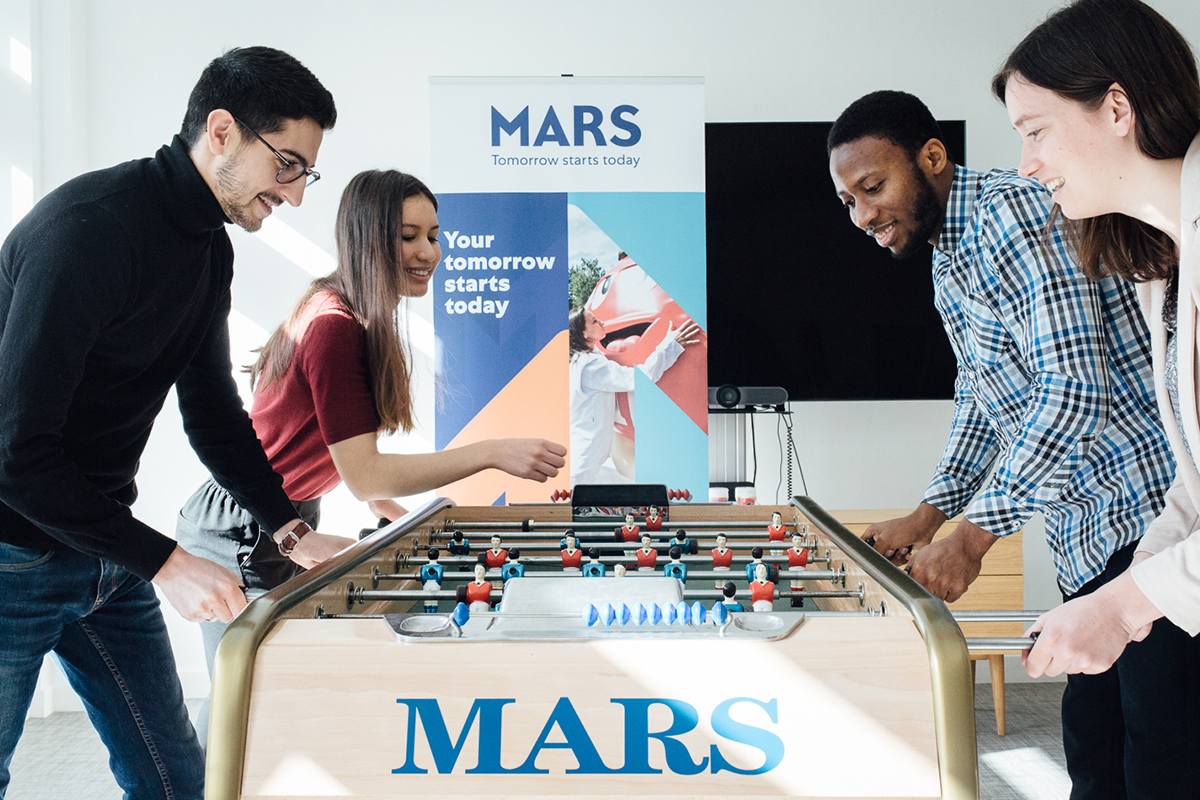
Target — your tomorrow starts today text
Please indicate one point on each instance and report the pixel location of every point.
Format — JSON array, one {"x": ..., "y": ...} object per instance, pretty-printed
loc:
[{"x": 483, "y": 304}]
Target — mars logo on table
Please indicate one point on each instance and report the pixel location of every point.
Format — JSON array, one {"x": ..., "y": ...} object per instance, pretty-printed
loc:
[{"x": 679, "y": 759}]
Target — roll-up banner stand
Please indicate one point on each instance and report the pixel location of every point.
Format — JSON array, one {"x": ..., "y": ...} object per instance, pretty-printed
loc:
[{"x": 562, "y": 194}]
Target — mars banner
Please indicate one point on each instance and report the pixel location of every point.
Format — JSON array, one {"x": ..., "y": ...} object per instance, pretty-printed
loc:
[{"x": 570, "y": 302}]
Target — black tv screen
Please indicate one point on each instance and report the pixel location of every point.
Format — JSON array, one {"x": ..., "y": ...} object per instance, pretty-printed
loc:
[{"x": 798, "y": 296}]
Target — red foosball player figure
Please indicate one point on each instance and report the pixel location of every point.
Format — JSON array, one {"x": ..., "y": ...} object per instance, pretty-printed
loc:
[
  {"x": 572, "y": 557},
  {"x": 797, "y": 559},
  {"x": 653, "y": 520},
  {"x": 514, "y": 568},
  {"x": 776, "y": 532},
  {"x": 495, "y": 558},
  {"x": 722, "y": 557},
  {"x": 797, "y": 554},
  {"x": 762, "y": 591},
  {"x": 729, "y": 599},
  {"x": 647, "y": 557},
  {"x": 629, "y": 532},
  {"x": 479, "y": 591}
]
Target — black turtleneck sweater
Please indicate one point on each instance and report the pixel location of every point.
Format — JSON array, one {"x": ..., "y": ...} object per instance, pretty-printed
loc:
[{"x": 113, "y": 289}]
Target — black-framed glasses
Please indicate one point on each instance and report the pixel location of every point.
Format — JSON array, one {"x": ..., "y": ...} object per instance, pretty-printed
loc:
[{"x": 292, "y": 170}]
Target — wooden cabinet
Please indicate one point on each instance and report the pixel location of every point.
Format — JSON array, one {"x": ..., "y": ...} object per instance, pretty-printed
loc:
[{"x": 1000, "y": 586}]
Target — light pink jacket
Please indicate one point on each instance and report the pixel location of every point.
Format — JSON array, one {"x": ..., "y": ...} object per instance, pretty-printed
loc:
[{"x": 1171, "y": 579}]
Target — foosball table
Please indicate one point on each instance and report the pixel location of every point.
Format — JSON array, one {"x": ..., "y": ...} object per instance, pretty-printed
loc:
[{"x": 689, "y": 650}]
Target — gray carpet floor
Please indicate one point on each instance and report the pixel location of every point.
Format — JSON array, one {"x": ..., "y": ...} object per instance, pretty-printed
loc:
[{"x": 60, "y": 756}]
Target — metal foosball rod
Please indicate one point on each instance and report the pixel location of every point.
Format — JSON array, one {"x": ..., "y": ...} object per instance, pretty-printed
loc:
[
  {"x": 608, "y": 544},
  {"x": 1007, "y": 644},
  {"x": 780, "y": 594},
  {"x": 358, "y": 594},
  {"x": 1019, "y": 615},
  {"x": 556, "y": 528},
  {"x": 420, "y": 561},
  {"x": 795, "y": 575}
]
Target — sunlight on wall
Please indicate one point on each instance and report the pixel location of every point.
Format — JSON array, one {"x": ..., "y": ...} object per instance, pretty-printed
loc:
[
  {"x": 21, "y": 60},
  {"x": 297, "y": 248},
  {"x": 22, "y": 194}
]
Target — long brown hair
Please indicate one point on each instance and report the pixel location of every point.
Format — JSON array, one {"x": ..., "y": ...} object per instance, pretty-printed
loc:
[
  {"x": 369, "y": 283},
  {"x": 576, "y": 343},
  {"x": 1079, "y": 52}
]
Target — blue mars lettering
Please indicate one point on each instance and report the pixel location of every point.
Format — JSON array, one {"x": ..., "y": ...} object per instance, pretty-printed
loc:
[
  {"x": 488, "y": 713},
  {"x": 585, "y": 121}
]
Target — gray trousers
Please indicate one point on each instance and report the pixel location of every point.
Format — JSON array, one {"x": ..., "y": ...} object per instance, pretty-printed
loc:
[{"x": 211, "y": 524}]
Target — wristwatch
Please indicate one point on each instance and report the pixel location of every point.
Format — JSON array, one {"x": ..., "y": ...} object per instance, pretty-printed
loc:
[{"x": 292, "y": 538}]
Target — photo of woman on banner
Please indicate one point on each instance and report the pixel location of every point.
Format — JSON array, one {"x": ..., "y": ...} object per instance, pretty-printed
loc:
[
  {"x": 333, "y": 378},
  {"x": 628, "y": 323}
]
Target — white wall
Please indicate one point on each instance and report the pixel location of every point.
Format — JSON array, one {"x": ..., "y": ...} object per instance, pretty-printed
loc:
[{"x": 112, "y": 78}]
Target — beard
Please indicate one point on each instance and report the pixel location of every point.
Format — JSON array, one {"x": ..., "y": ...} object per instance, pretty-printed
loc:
[
  {"x": 926, "y": 212},
  {"x": 230, "y": 187}
]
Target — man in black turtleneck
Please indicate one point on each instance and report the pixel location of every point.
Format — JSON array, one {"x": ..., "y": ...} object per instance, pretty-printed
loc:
[{"x": 113, "y": 289}]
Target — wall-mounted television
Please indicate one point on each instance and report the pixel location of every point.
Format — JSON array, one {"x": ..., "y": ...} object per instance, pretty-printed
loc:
[{"x": 797, "y": 296}]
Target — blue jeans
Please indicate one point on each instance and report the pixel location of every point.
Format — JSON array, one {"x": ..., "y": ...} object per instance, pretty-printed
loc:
[{"x": 104, "y": 626}]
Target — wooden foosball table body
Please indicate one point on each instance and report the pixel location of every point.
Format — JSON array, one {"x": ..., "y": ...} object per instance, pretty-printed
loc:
[{"x": 338, "y": 684}]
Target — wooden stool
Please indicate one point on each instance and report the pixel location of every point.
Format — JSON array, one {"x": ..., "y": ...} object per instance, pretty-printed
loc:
[{"x": 996, "y": 665}]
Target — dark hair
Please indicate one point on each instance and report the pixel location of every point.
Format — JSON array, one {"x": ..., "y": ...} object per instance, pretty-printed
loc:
[
  {"x": 729, "y": 590},
  {"x": 593, "y": 552},
  {"x": 458, "y": 536},
  {"x": 676, "y": 553},
  {"x": 576, "y": 343},
  {"x": 261, "y": 86},
  {"x": 368, "y": 283},
  {"x": 756, "y": 552},
  {"x": 432, "y": 553},
  {"x": 514, "y": 553},
  {"x": 898, "y": 117},
  {"x": 1079, "y": 52}
]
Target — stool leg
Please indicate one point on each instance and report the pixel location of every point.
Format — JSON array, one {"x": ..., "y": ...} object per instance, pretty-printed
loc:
[{"x": 996, "y": 665}]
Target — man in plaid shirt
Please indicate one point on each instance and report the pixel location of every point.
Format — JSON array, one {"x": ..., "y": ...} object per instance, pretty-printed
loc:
[{"x": 1054, "y": 390}]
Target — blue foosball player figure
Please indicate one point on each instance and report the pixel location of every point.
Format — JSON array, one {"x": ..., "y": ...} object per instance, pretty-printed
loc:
[
  {"x": 593, "y": 568},
  {"x": 676, "y": 569},
  {"x": 431, "y": 578},
  {"x": 729, "y": 601},
  {"x": 513, "y": 568},
  {"x": 458, "y": 546},
  {"x": 681, "y": 541},
  {"x": 756, "y": 558}
]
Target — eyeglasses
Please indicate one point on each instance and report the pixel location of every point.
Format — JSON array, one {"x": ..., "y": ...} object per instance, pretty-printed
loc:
[{"x": 292, "y": 170}]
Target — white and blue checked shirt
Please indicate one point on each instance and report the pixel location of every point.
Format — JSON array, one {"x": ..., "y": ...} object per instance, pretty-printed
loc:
[{"x": 1054, "y": 384}]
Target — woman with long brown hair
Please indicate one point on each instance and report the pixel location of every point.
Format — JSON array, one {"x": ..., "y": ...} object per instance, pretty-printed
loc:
[
  {"x": 333, "y": 377},
  {"x": 1106, "y": 97}
]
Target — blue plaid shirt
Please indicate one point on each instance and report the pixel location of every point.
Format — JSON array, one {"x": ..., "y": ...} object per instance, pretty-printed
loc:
[{"x": 1054, "y": 385}]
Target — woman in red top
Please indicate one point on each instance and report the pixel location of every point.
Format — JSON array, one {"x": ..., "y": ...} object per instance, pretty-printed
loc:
[{"x": 333, "y": 377}]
